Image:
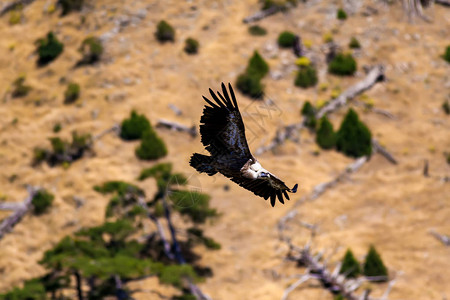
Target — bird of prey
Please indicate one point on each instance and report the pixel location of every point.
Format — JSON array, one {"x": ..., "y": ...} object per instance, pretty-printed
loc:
[{"x": 223, "y": 135}]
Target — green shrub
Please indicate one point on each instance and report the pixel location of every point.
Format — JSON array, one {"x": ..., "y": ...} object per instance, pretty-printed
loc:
[
  {"x": 57, "y": 127},
  {"x": 309, "y": 112},
  {"x": 70, "y": 5},
  {"x": 341, "y": 14},
  {"x": 165, "y": 32},
  {"x": 19, "y": 88},
  {"x": 353, "y": 137},
  {"x": 339, "y": 297},
  {"x": 446, "y": 55},
  {"x": 257, "y": 66},
  {"x": 326, "y": 137},
  {"x": 152, "y": 147},
  {"x": 374, "y": 267},
  {"x": 286, "y": 39},
  {"x": 134, "y": 127},
  {"x": 193, "y": 204},
  {"x": 15, "y": 17},
  {"x": 175, "y": 274},
  {"x": 191, "y": 46},
  {"x": 257, "y": 30},
  {"x": 72, "y": 93},
  {"x": 32, "y": 290},
  {"x": 92, "y": 49},
  {"x": 250, "y": 85},
  {"x": 342, "y": 64},
  {"x": 49, "y": 49},
  {"x": 354, "y": 43},
  {"x": 350, "y": 265},
  {"x": 306, "y": 77},
  {"x": 446, "y": 107},
  {"x": 42, "y": 201}
]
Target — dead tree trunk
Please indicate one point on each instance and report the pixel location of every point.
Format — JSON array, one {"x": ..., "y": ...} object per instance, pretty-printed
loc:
[{"x": 8, "y": 224}]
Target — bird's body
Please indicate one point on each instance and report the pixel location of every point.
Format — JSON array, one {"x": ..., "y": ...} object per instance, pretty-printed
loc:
[{"x": 223, "y": 135}]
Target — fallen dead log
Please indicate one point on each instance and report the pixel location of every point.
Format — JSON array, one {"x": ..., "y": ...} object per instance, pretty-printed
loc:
[
  {"x": 177, "y": 127},
  {"x": 376, "y": 74},
  {"x": 380, "y": 149},
  {"x": 262, "y": 14},
  {"x": 332, "y": 281},
  {"x": 8, "y": 224}
]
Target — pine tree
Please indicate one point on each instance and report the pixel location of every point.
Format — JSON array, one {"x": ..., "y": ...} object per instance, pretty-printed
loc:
[
  {"x": 350, "y": 266},
  {"x": 326, "y": 137},
  {"x": 353, "y": 137},
  {"x": 374, "y": 266},
  {"x": 152, "y": 146}
]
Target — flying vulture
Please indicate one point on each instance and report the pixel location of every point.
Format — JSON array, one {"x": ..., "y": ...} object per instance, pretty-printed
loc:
[{"x": 223, "y": 135}]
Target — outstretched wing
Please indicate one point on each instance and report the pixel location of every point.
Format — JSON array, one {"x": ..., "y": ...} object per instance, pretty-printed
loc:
[
  {"x": 222, "y": 128},
  {"x": 272, "y": 188}
]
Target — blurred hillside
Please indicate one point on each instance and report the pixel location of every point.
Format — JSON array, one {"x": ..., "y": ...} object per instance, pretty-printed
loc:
[{"x": 390, "y": 206}]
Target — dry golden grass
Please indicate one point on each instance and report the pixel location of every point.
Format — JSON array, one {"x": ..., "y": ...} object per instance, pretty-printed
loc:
[{"x": 390, "y": 206}]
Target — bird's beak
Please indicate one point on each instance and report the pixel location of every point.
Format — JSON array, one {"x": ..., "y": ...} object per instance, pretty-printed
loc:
[{"x": 264, "y": 175}]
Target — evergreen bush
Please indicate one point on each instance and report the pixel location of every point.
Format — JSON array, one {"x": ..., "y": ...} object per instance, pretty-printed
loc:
[
  {"x": 191, "y": 46},
  {"x": 152, "y": 147},
  {"x": 19, "y": 88},
  {"x": 133, "y": 127},
  {"x": 42, "y": 201},
  {"x": 257, "y": 66},
  {"x": 326, "y": 137},
  {"x": 72, "y": 93},
  {"x": 353, "y": 137},
  {"x": 286, "y": 39},
  {"x": 374, "y": 267},
  {"x": 48, "y": 49},
  {"x": 350, "y": 265},
  {"x": 446, "y": 107},
  {"x": 165, "y": 32},
  {"x": 342, "y": 64},
  {"x": 309, "y": 112},
  {"x": 354, "y": 43},
  {"x": 249, "y": 83},
  {"x": 91, "y": 49},
  {"x": 446, "y": 55},
  {"x": 306, "y": 77},
  {"x": 257, "y": 30},
  {"x": 69, "y": 6},
  {"x": 341, "y": 14}
]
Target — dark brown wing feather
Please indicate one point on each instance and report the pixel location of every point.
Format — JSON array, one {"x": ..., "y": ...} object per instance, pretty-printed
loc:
[
  {"x": 273, "y": 188},
  {"x": 222, "y": 128}
]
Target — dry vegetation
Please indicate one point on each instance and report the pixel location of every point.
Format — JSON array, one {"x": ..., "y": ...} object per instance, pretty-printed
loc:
[{"x": 391, "y": 206}]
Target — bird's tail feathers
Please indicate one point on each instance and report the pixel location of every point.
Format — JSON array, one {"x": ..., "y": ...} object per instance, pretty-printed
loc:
[{"x": 202, "y": 163}]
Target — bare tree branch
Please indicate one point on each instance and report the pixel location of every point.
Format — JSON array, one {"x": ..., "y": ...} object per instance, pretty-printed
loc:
[
  {"x": 8, "y": 224},
  {"x": 159, "y": 227},
  {"x": 294, "y": 286},
  {"x": 283, "y": 134}
]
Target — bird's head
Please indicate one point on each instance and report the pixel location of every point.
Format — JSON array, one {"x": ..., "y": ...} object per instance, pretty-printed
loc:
[{"x": 264, "y": 175}]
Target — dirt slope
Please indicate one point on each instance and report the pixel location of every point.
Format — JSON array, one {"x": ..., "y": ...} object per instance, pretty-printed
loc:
[{"x": 390, "y": 206}]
